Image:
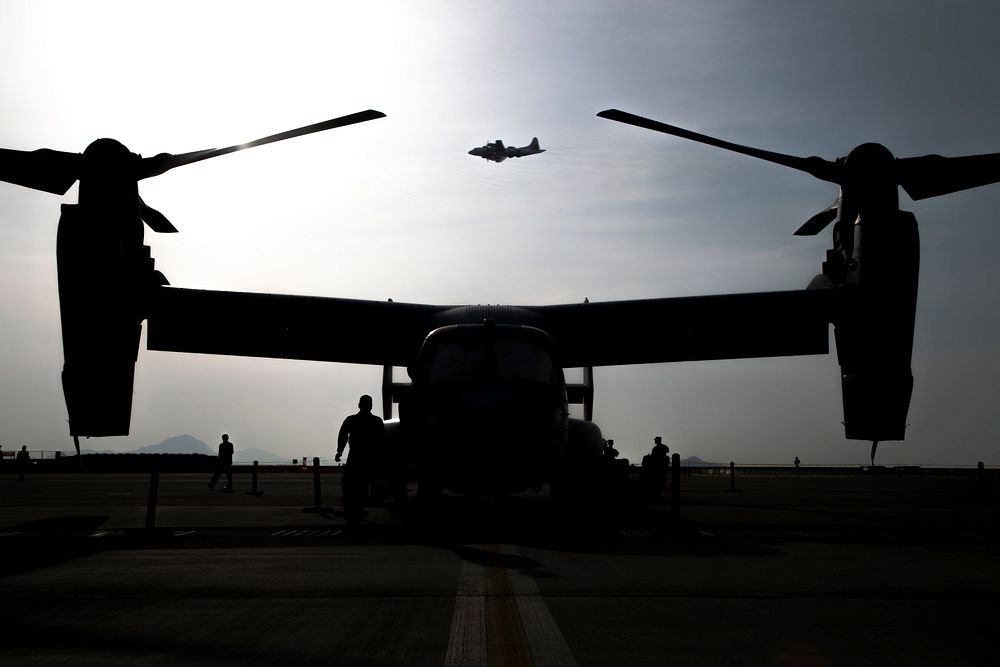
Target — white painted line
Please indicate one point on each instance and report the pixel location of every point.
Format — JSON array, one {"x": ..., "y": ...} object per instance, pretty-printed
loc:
[
  {"x": 548, "y": 645},
  {"x": 467, "y": 638},
  {"x": 180, "y": 533}
]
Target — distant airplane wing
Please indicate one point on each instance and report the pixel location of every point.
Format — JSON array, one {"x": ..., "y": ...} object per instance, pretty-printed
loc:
[
  {"x": 287, "y": 327},
  {"x": 729, "y": 326}
]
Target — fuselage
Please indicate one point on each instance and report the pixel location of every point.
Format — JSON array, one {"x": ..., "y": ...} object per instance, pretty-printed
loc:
[{"x": 487, "y": 410}]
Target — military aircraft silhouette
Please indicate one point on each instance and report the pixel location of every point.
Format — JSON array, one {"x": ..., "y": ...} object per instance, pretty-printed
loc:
[
  {"x": 486, "y": 407},
  {"x": 497, "y": 152}
]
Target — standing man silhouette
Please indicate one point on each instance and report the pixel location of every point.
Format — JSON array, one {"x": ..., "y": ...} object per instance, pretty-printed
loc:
[
  {"x": 224, "y": 464},
  {"x": 23, "y": 460},
  {"x": 365, "y": 433}
]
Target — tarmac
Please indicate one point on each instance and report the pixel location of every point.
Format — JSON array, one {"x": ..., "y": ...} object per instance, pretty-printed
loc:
[{"x": 788, "y": 570}]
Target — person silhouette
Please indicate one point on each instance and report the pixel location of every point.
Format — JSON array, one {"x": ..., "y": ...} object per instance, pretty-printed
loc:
[
  {"x": 224, "y": 464},
  {"x": 23, "y": 460},
  {"x": 653, "y": 472},
  {"x": 610, "y": 453},
  {"x": 365, "y": 433},
  {"x": 659, "y": 450}
]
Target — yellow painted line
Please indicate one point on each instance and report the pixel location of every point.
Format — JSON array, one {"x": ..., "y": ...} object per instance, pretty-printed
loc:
[
  {"x": 548, "y": 645},
  {"x": 506, "y": 642},
  {"x": 500, "y": 618}
]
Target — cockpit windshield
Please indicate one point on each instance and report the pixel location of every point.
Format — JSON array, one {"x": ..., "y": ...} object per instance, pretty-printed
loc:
[{"x": 487, "y": 358}]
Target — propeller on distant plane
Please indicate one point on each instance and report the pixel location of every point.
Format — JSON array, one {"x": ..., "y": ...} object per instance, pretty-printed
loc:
[
  {"x": 921, "y": 177},
  {"x": 56, "y": 171}
]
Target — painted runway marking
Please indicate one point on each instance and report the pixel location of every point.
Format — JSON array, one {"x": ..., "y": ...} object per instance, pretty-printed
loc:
[
  {"x": 500, "y": 618},
  {"x": 107, "y": 533},
  {"x": 290, "y": 532},
  {"x": 467, "y": 638},
  {"x": 628, "y": 532},
  {"x": 181, "y": 533},
  {"x": 548, "y": 645},
  {"x": 705, "y": 533}
]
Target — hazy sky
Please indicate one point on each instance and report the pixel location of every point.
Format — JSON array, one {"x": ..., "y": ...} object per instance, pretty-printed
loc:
[{"x": 396, "y": 208}]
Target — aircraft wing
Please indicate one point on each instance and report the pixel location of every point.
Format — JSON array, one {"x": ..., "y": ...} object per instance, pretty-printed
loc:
[
  {"x": 287, "y": 327},
  {"x": 728, "y": 326}
]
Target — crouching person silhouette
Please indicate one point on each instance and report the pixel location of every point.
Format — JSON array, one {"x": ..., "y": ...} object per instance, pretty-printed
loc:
[{"x": 365, "y": 433}]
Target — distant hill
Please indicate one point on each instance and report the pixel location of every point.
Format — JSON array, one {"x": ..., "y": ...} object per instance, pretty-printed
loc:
[
  {"x": 695, "y": 461},
  {"x": 179, "y": 444},
  {"x": 261, "y": 455}
]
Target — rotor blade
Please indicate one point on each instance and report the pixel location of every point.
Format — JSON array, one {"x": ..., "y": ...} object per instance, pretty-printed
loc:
[
  {"x": 818, "y": 167},
  {"x": 163, "y": 162},
  {"x": 156, "y": 220},
  {"x": 934, "y": 175},
  {"x": 45, "y": 169},
  {"x": 817, "y": 223}
]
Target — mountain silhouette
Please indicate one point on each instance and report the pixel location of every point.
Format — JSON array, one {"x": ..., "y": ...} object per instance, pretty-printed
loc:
[
  {"x": 260, "y": 455},
  {"x": 179, "y": 444},
  {"x": 188, "y": 444}
]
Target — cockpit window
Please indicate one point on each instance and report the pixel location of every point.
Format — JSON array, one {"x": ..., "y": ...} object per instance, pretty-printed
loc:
[
  {"x": 485, "y": 358},
  {"x": 522, "y": 360},
  {"x": 452, "y": 360}
]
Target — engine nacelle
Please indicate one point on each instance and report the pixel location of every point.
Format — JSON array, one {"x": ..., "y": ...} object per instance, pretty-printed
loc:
[
  {"x": 103, "y": 280},
  {"x": 874, "y": 326}
]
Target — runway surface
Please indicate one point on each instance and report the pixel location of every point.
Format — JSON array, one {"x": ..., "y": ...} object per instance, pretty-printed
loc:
[{"x": 796, "y": 570}]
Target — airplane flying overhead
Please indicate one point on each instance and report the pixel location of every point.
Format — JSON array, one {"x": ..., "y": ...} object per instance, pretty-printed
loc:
[
  {"x": 487, "y": 403},
  {"x": 497, "y": 152}
]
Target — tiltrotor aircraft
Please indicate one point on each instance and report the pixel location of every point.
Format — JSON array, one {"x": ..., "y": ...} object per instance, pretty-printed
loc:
[
  {"x": 492, "y": 371},
  {"x": 497, "y": 152}
]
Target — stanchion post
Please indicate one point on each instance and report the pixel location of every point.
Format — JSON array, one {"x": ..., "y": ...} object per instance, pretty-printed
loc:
[
  {"x": 154, "y": 489},
  {"x": 317, "y": 507},
  {"x": 253, "y": 483},
  {"x": 732, "y": 478},
  {"x": 675, "y": 484},
  {"x": 317, "y": 491}
]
